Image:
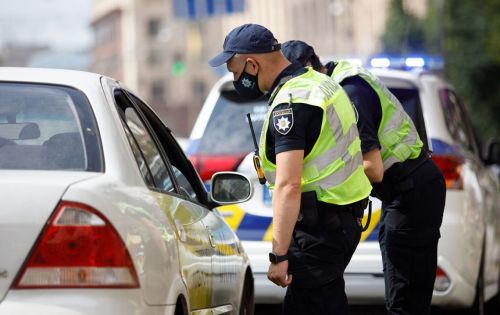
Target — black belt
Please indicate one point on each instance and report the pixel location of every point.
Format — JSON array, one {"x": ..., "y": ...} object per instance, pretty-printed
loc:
[{"x": 399, "y": 171}]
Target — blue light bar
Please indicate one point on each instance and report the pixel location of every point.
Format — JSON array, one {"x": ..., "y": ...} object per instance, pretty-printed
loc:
[
  {"x": 380, "y": 62},
  {"x": 407, "y": 62},
  {"x": 415, "y": 62}
]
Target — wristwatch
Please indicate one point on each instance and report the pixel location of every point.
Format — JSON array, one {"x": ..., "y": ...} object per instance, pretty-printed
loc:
[{"x": 274, "y": 259}]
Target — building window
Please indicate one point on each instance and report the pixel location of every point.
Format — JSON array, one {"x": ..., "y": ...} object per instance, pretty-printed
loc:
[
  {"x": 154, "y": 27},
  {"x": 158, "y": 90},
  {"x": 155, "y": 57}
]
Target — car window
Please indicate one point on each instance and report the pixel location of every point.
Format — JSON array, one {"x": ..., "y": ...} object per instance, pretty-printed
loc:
[
  {"x": 183, "y": 172},
  {"x": 145, "y": 142},
  {"x": 139, "y": 158},
  {"x": 457, "y": 121},
  {"x": 47, "y": 127},
  {"x": 149, "y": 160},
  {"x": 227, "y": 131},
  {"x": 410, "y": 100}
]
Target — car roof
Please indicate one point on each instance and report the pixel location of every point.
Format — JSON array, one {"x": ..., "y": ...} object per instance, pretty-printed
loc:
[{"x": 78, "y": 79}]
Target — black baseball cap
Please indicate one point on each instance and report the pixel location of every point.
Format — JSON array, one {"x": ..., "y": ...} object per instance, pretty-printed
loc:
[
  {"x": 246, "y": 39},
  {"x": 297, "y": 51}
]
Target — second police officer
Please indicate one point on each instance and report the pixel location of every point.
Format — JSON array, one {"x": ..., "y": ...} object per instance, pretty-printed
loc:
[
  {"x": 407, "y": 181},
  {"x": 311, "y": 156}
]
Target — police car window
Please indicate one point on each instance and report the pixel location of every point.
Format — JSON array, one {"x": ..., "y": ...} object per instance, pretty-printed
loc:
[
  {"x": 227, "y": 131},
  {"x": 156, "y": 165},
  {"x": 457, "y": 125},
  {"x": 410, "y": 100}
]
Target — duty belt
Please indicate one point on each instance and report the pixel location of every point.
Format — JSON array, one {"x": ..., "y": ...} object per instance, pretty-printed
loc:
[{"x": 399, "y": 171}]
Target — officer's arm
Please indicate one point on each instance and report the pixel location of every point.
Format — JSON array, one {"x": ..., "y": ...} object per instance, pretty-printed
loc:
[
  {"x": 374, "y": 168},
  {"x": 286, "y": 198}
]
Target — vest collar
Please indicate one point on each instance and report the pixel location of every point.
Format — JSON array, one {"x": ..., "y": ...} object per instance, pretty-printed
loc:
[{"x": 288, "y": 73}]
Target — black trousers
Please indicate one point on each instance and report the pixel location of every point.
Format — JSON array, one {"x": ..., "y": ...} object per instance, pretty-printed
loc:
[
  {"x": 408, "y": 237},
  {"x": 318, "y": 257}
]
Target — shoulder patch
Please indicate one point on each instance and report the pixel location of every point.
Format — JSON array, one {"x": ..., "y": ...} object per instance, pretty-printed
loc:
[{"x": 283, "y": 120}]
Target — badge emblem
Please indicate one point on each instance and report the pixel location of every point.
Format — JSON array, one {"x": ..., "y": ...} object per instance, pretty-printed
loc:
[
  {"x": 283, "y": 120},
  {"x": 246, "y": 83}
]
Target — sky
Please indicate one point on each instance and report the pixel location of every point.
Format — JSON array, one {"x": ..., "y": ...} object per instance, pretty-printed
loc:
[{"x": 60, "y": 24}]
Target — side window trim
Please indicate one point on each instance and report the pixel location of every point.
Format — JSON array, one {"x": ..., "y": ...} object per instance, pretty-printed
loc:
[
  {"x": 201, "y": 199},
  {"x": 163, "y": 156}
]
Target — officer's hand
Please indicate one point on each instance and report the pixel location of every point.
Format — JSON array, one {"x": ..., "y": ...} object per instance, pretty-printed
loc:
[{"x": 278, "y": 273}]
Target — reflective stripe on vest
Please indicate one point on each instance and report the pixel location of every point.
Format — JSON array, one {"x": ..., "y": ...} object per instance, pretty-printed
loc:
[
  {"x": 397, "y": 134},
  {"x": 334, "y": 167}
]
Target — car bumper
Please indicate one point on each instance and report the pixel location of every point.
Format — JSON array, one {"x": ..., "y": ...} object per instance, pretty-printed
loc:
[{"x": 79, "y": 302}]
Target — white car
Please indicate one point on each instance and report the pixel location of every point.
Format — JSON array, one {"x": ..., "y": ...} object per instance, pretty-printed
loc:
[
  {"x": 469, "y": 249},
  {"x": 100, "y": 210}
]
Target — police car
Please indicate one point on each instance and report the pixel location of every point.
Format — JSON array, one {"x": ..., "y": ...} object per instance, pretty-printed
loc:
[{"x": 469, "y": 249}]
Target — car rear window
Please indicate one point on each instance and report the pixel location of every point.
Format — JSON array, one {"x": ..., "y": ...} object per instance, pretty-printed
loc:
[
  {"x": 227, "y": 131},
  {"x": 410, "y": 100},
  {"x": 47, "y": 127}
]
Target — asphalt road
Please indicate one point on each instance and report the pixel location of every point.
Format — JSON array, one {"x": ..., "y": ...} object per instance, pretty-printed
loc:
[{"x": 363, "y": 310}]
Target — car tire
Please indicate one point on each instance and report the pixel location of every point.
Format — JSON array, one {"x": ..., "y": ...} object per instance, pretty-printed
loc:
[
  {"x": 247, "y": 297},
  {"x": 493, "y": 305}
]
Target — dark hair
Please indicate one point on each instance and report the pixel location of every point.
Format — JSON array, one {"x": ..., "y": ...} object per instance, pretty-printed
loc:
[{"x": 315, "y": 62}]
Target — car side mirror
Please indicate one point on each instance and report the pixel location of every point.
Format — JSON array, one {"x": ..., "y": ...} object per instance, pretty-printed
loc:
[
  {"x": 230, "y": 187},
  {"x": 493, "y": 153}
]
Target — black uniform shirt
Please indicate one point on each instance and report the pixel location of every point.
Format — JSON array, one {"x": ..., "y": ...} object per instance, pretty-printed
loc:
[
  {"x": 306, "y": 123},
  {"x": 368, "y": 106}
]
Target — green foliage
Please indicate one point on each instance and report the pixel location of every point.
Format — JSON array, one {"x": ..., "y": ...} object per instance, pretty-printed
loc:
[
  {"x": 466, "y": 33},
  {"x": 404, "y": 33},
  {"x": 472, "y": 51}
]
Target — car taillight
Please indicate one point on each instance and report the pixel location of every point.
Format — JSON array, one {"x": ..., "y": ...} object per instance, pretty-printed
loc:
[
  {"x": 451, "y": 167},
  {"x": 442, "y": 282},
  {"x": 207, "y": 165},
  {"x": 79, "y": 248}
]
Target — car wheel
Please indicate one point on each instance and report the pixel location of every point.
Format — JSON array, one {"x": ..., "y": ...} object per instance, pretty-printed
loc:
[
  {"x": 493, "y": 305},
  {"x": 247, "y": 301}
]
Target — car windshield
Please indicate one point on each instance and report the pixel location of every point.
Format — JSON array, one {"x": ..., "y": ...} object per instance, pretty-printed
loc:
[
  {"x": 41, "y": 128},
  {"x": 227, "y": 131}
]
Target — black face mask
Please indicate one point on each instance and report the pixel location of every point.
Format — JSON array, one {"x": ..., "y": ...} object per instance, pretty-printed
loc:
[{"x": 247, "y": 86}]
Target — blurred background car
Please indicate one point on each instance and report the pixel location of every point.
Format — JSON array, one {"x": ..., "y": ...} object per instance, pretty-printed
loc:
[
  {"x": 469, "y": 250},
  {"x": 101, "y": 211}
]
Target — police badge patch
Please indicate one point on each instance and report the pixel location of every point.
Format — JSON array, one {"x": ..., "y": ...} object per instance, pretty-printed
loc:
[{"x": 283, "y": 120}]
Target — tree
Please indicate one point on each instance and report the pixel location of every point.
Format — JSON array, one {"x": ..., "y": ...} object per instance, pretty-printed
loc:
[
  {"x": 403, "y": 32},
  {"x": 465, "y": 33},
  {"x": 472, "y": 58}
]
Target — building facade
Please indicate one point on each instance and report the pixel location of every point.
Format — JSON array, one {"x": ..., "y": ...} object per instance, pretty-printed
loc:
[{"x": 164, "y": 57}]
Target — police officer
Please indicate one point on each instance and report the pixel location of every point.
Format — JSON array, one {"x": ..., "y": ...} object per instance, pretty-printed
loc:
[
  {"x": 409, "y": 184},
  {"x": 311, "y": 156}
]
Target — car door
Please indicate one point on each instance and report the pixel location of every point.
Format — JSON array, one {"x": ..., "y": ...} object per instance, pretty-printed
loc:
[
  {"x": 490, "y": 203},
  {"x": 186, "y": 217},
  {"x": 227, "y": 271},
  {"x": 475, "y": 212}
]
